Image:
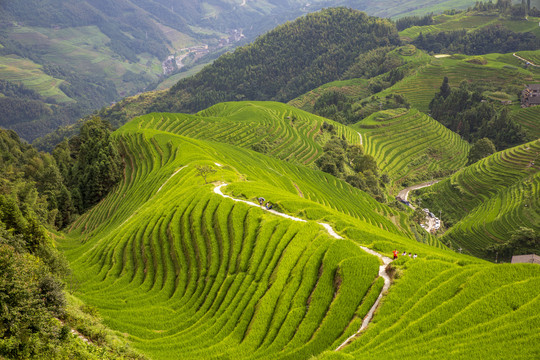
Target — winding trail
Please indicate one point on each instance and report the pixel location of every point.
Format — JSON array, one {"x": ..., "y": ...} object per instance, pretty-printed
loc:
[
  {"x": 361, "y": 142},
  {"x": 404, "y": 194},
  {"x": 527, "y": 61},
  {"x": 382, "y": 268},
  {"x": 384, "y": 274}
]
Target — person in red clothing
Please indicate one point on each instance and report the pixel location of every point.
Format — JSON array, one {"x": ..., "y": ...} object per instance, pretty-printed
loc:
[{"x": 395, "y": 254}]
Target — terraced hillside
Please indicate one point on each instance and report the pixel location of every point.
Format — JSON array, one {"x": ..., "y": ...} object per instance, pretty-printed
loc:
[
  {"x": 489, "y": 199},
  {"x": 438, "y": 310},
  {"x": 187, "y": 273},
  {"x": 529, "y": 119},
  {"x": 410, "y": 146},
  {"x": 499, "y": 70},
  {"x": 273, "y": 128},
  {"x": 180, "y": 268},
  {"x": 358, "y": 88},
  {"x": 470, "y": 21},
  {"x": 494, "y": 220}
]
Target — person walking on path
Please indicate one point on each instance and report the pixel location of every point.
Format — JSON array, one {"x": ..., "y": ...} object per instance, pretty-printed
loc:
[{"x": 395, "y": 252}]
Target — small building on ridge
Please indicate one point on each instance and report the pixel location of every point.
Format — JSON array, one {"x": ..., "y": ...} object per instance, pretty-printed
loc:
[{"x": 529, "y": 258}]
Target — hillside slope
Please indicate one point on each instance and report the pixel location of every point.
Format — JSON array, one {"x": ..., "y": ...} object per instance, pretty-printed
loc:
[
  {"x": 186, "y": 272},
  {"x": 487, "y": 201},
  {"x": 410, "y": 146},
  {"x": 273, "y": 128},
  {"x": 284, "y": 63}
]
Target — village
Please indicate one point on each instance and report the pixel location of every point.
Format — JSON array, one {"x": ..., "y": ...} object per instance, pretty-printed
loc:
[{"x": 177, "y": 61}]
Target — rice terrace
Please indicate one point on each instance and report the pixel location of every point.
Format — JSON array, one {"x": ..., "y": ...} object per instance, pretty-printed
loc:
[{"x": 342, "y": 186}]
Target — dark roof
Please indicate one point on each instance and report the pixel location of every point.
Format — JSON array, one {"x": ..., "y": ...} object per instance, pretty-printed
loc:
[
  {"x": 534, "y": 87},
  {"x": 531, "y": 259},
  {"x": 534, "y": 100}
]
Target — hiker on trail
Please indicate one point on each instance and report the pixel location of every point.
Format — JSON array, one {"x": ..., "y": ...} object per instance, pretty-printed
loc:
[
  {"x": 261, "y": 201},
  {"x": 404, "y": 253},
  {"x": 268, "y": 206},
  {"x": 395, "y": 252},
  {"x": 410, "y": 254},
  {"x": 414, "y": 256}
]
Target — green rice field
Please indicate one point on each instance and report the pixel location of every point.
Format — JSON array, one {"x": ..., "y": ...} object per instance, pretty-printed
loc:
[{"x": 185, "y": 273}]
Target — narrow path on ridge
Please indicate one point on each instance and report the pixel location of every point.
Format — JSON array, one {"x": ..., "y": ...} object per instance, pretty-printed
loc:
[
  {"x": 361, "y": 142},
  {"x": 382, "y": 268},
  {"x": 527, "y": 61}
]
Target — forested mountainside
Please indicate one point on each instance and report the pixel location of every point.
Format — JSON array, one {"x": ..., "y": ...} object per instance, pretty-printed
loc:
[
  {"x": 39, "y": 309},
  {"x": 262, "y": 71},
  {"x": 285, "y": 62}
]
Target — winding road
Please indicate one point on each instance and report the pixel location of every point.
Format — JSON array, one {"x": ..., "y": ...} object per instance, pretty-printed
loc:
[
  {"x": 404, "y": 194},
  {"x": 382, "y": 268}
]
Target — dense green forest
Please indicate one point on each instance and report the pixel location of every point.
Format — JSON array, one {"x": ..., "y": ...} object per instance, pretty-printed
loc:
[
  {"x": 37, "y": 313},
  {"x": 464, "y": 111},
  {"x": 486, "y": 40}
]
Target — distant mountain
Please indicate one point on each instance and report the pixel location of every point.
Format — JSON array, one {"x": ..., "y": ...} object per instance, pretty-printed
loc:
[{"x": 284, "y": 63}]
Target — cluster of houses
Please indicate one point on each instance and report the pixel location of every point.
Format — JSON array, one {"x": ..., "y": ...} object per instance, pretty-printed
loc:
[{"x": 530, "y": 96}]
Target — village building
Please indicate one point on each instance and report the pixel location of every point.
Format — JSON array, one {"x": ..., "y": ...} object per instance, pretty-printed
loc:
[
  {"x": 530, "y": 259},
  {"x": 530, "y": 96}
]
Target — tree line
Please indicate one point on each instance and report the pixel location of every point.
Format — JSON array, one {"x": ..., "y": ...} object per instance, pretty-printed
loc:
[
  {"x": 488, "y": 39},
  {"x": 350, "y": 163}
]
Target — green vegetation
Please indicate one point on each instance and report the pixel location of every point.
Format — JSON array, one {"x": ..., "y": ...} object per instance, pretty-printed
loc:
[
  {"x": 37, "y": 315},
  {"x": 487, "y": 201},
  {"x": 178, "y": 267},
  {"x": 226, "y": 278},
  {"x": 319, "y": 49},
  {"x": 437, "y": 310},
  {"x": 473, "y": 19},
  {"x": 464, "y": 111},
  {"x": 502, "y": 72},
  {"x": 410, "y": 146},
  {"x": 267, "y": 127}
]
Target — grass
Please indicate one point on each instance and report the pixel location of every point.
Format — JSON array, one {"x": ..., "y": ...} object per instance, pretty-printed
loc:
[
  {"x": 85, "y": 49},
  {"x": 469, "y": 21},
  {"x": 287, "y": 133},
  {"x": 444, "y": 311},
  {"x": 529, "y": 119},
  {"x": 355, "y": 88},
  {"x": 501, "y": 70}
]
